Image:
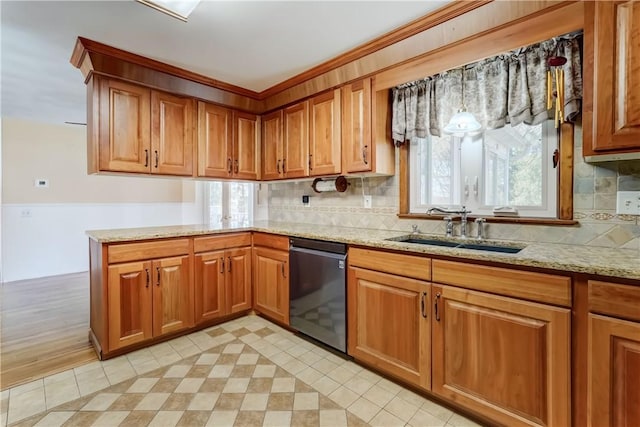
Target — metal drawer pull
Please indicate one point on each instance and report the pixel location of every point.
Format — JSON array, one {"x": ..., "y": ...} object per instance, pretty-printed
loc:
[
  {"x": 221, "y": 265},
  {"x": 423, "y": 305},
  {"x": 158, "y": 270},
  {"x": 156, "y": 159},
  {"x": 146, "y": 158},
  {"x": 148, "y": 278},
  {"x": 229, "y": 266},
  {"x": 436, "y": 307}
]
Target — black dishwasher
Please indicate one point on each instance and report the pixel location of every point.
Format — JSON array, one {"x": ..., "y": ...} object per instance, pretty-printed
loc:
[{"x": 317, "y": 290}]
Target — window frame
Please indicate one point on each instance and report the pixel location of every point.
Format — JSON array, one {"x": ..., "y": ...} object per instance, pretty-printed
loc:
[
  {"x": 564, "y": 215},
  {"x": 225, "y": 220}
]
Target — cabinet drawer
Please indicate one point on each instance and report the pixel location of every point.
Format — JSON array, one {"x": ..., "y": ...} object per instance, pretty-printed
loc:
[
  {"x": 540, "y": 287},
  {"x": 271, "y": 241},
  {"x": 148, "y": 250},
  {"x": 614, "y": 299},
  {"x": 223, "y": 241},
  {"x": 387, "y": 262}
]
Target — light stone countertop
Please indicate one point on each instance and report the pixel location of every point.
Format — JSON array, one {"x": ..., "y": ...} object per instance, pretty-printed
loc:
[{"x": 618, "y": 263}]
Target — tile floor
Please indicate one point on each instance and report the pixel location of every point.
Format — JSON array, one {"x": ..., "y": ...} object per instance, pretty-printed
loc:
[{"x": 246, "y": 372}]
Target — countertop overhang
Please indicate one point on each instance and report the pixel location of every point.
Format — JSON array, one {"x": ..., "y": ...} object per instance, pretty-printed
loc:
[{"x": 601, "y": 261}]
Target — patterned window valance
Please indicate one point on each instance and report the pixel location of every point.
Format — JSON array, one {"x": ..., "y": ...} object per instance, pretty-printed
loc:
[{"x": 509, "y": 88}]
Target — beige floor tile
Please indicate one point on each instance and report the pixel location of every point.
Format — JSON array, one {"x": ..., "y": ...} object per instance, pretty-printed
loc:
[
  {"x": 378, "y": 395},
  {"x": 282, "y": 358},
  {"x": 364, "y": 408},
  {"x": 229, "y": 402},
  {"x": 436, "y": 410},
  {"x": 372, "y": 377},
  {"x": 236, "y": 385},
  {"x": 249, "y": 338},
  {"x": 305, "y": 418},
  {"x": 61, "y": 376},
  {"x": 309, "y": 375},
  {"x": 333, "y": 418},
  {"x": 55, "y": 419},
  {"x": 202, "y": 340},
  {"x": 177, "y": 371},
  {"x": 341, "y": 375},
  {"x": 213, "y": 384},
  {"x": 165, "y": 354},
  {"x": 223, "y": 339},
  {"x": 401, "y": 408},
  {"x": 138, "y": 418},
  {"x": 411, "y": 397},
  {"x": 111, "y": 418},
  {"x": 26, "y": 404},
  {"x": 305, "y": 401},
  {"x": 207, "y": 359},
  {"x": 166, "y": 385},
  {"x": 91, "y": 381},
  {"x": 194, "y": 418},
  {"x": 309, "y": 357},
  {"x": 142, "y": 385},
  {"x": 325, "y": 403},
  {"x": 277, "y": 419},
  {"x": 250, "y": 418},
  {"x": 247, "y": 359},
  {"x": 126, "y": 402},
  {"x": 255, "y": 402},
  {"x": 228, "y": 359},
  {"x": 142, "y": 367},
  {"x": 199, "y": 371},
  {"x": 185, "y": 349},
  {"x": 177, "y": 402},
  {"x": 358, "y": 385},
  {"x": 390, "y": 386},
  {"x": 343, "y": 396},
  {"x": 294, "y": 366},
  {"x": 203, "y": 402},
  {"x": 269, "y": 350},
  {"x": 97, "y": 364},
  {"x": 325, "y": 366},
  {"x": 356, "y": 369},
  {"x": 82, "y": 419},
  {"x": 189, "y": 385},
  {"x": 222, "y": 418},
  {"x": 458, "y": 420},
  {"x": 30, "y": 386},
  {"x": 297, "y": 351},
  {"x": 283, "y": 385},
  {"x": 101, "y": 402},
  {"x": 325, "y": 385},
  {"x": 280, "y": 402},
  {"x": 221, "y": 371},
  {"x": 62, "y": 391},
  {"x": 260, "y": 385},
  {"x": 166, "y": 419},
  {"x": 119, "y": 371},
  {"x": 424, "y": 419},
  {"x": 385, "y": 419},
  {"x": 233, "y": 349},
  {"x": 264, "y": 371},
  {"x": 242, "y": 371},
  {"x": 152, "y": 402}
]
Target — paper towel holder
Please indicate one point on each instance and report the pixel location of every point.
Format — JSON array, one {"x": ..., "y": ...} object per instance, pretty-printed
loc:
[{"x": 339, "y": 184}]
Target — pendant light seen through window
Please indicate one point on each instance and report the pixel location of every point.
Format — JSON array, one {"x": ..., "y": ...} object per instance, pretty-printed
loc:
[{"x": 463, "y": 122}]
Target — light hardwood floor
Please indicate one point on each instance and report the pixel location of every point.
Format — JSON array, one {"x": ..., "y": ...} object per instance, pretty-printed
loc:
[{"x": 44, "y": 324}]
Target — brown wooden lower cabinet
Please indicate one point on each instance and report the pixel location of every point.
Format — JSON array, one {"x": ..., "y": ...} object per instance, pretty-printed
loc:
[
  {"x": 389, "y": 324},
  {"x": 271, "y": 283},
  {"x": 149, "y": 299},
  {"x": 504, "y": 358}
]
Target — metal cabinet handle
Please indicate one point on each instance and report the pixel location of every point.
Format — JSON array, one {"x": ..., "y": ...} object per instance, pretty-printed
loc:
[
  {"x": 436, "y": 307},
  {"x": 156, "y": 151},
  {"x": 229, "y": 266},
  {"x": 146, "y": 158},
  {"x": 310, "y": 162},
  {"x": 284, "y": 169},
  {"x": 148, "y": 277},
  {"x": 423, "y": 305},
  {"x": 237, "y": 166},
  {"x": 221, "y": 265},
  {"x": 229, "y": 165},
  {"x": 364, "y": 154},
  {"x": 158, "y": 271},
  {"x": 278, "y": 166},
  {"x": 283, "y": 273}
]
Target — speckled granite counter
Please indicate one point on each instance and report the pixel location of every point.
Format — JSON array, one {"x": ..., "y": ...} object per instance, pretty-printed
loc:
[{"x": 621, "y": 263}]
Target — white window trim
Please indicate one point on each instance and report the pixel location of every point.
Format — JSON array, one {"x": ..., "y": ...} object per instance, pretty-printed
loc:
[{"x": 225, "y": 221}]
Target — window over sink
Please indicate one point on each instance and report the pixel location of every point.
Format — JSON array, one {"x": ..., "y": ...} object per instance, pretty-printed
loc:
[{"x": 229, "y": 204}]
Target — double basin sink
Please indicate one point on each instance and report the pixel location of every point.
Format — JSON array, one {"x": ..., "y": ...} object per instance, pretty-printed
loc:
[{"x": 457, "y": 244}]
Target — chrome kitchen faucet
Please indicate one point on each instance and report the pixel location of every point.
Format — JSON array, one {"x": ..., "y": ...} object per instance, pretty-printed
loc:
[{"x": 463, "y": 219}]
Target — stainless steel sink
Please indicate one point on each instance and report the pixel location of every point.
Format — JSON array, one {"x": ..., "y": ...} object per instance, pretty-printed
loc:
[{"x": 487, "y": 246}]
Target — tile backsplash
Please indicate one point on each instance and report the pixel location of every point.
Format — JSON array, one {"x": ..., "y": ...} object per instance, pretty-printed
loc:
[{"x": 595, "y": 187}]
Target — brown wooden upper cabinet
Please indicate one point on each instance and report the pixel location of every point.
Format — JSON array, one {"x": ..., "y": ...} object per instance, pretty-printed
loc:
[
  {"x": 611, "y": 112},
  {"x": 285, "y": 143},
  {"x": 227, "y": 143},
  {"x": 356, "y": 127},
  {"x": 139, "y": 130},
  {"x": 324, "y": 134}
]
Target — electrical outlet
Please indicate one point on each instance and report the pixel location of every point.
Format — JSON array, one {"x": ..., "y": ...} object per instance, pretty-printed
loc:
[
  {"x": 25, "y": 213},
  {"x": 306, "y": 201},
  {"x": 40, "y": 182},
  {"x": 628, "y": 203},
  {"x": 367, "y": 202}
]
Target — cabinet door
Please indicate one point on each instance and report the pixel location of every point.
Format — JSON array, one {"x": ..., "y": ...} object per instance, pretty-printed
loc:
[
  {"x": 356, "y": 127},
  {"x": 295, "y": 146},
  {"x": 612, "y": 103},
  {"x": 504, "y": 358},
  {"x": 614, "y": 372},
  {"x": 209, "y": 286},
  {"x": 246, "y": 149},
  {"x": 272, "y": 146},
  {"x": 171, "y": 134},
  {"x": 324, "y": 135},
  {"x": 238, "y": 286},
  {"x": 271, "y": 283},
  {"x": 125, "y": 129},
  {"x": 214, "y": 141},
  {"x": 389, "y": 325},
  {"x": 172, "y": 295},
  {"x": 129, "y": 304}
]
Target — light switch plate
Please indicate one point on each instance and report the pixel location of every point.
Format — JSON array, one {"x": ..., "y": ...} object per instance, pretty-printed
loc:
[
  {"x": 628, "y": 203},
  {"x": 367, "y": 202}
]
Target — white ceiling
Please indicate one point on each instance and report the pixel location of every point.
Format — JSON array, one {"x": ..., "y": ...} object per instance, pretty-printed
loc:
[{"x": 252, "y": 44}]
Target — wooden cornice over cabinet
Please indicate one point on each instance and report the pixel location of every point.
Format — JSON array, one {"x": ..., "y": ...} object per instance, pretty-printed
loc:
[
  {"x": 611, "y": 111},
  {"x": 137, "y": 130}
]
